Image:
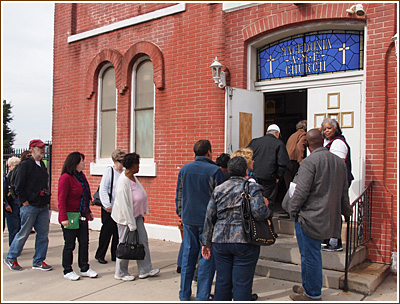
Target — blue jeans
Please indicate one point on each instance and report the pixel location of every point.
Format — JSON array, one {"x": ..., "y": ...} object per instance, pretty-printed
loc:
[
  {"x": 236, "y": 264},
  {"x": 37, "y": 217},
  {"x": 311, "y": 262},
  {"x": 192, "y": 236},
  {"x": 13, "y": 221}
]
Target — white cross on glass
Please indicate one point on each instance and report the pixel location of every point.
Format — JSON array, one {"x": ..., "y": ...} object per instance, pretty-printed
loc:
[
  {"x": 270, "y": 63},
  {"x": 344, "y": 49}
]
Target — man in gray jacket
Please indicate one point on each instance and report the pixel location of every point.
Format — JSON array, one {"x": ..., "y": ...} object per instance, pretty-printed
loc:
[{"x": 316, "y": 199}]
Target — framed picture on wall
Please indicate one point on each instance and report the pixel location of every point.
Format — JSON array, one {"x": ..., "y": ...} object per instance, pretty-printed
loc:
[
  {"x": 275, "y": 105},
  {"x": 318, "y": 118},
  {"x": 333, "y": 100},
  {"x": 335, "y": 116},
  {"x": 347, "y": 119}
]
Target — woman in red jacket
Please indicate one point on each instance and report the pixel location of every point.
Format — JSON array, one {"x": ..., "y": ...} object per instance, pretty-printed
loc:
[{"x": 74, "y": 196}]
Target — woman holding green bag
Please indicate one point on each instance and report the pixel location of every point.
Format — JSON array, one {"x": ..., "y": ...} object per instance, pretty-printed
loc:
[{"x": 73, "y": 214}]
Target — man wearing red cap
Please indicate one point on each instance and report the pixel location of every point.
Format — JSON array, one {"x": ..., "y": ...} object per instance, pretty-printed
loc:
[{"x": 31, "y": 187}]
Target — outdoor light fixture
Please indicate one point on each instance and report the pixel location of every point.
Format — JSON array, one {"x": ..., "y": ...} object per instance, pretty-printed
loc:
[
  {"x": 218, "y": 75},
  {"x": 358, "y": 9},
  {"x": 395, "y": 43}
]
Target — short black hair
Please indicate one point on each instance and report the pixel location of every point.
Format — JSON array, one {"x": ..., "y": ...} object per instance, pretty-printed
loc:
[
  {"x": 202, "y": 147},
  {"x": 222, "y": 160},
  {"x": 130, "y": 160},
  {"x": 237, "y": 166},
  {"x": 70, "y": 163}
]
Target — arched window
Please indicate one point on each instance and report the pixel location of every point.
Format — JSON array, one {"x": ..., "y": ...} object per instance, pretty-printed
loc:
[
  {"x": 106, "y": 112},
  {"x": 143, "y": 109}
]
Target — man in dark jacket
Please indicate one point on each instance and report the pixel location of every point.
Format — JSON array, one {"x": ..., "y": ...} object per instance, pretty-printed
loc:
[
  {"x": 315, "y": 200},
  {"x": 270, "y": 161},
  {"x": 196, "y": 182},
  {"x": 31, "y": 187}
]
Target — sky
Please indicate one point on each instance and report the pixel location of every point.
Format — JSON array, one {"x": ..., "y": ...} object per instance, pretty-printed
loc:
[{"x": 27, "y": 30}]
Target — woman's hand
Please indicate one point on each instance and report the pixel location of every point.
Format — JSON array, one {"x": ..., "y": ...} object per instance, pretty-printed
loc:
[
  {"x": 266, "y": 201},
  {"x": 206, "y": 252},
  {"x": 109, "y": 209},
  {"x": 65, "y": 223},
  {"x": 90, "y": 217}
]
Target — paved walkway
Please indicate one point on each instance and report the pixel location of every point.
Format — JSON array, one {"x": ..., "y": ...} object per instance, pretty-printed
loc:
[{"x": 50, "y": 286}]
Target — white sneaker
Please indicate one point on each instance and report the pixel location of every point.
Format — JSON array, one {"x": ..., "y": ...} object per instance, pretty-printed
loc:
[
  {"x": 89, "y": 273},
  {"x": 71, "y": 276},
  {"x": 151, "y": 273},
  {"x": 125, "y": 278}
]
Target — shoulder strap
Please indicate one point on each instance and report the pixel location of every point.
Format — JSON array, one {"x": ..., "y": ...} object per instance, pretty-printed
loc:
[{"x": 112, "y": 181}]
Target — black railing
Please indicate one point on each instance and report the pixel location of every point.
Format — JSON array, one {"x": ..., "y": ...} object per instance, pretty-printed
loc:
[{"x": 358, "y": 228}]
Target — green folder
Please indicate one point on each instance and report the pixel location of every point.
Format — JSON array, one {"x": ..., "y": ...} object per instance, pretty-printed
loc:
[{"x": 73, "y": 218}]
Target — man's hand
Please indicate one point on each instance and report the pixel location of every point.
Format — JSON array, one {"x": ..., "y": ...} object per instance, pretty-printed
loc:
[
  {"x": 26, "y": 203},
  {"x": 206, "y": 252},
  {"x": 8, "y": 208},
  {"x": 65, "y": 223},
  {"x": 109, "y": 209}
]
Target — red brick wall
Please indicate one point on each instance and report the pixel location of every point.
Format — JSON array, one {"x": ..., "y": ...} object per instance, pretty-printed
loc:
[{"x": 189, "y": 106}]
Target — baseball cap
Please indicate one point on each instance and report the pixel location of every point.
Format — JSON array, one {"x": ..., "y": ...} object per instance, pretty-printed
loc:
[
  {"x": 36, "y": 143},
  {"x": 273, "y": 127}
]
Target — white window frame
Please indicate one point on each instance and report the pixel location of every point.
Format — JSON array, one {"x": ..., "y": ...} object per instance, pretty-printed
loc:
[
  {"x": 147, "y": 165},
  {"x": 99, "y": 167}
]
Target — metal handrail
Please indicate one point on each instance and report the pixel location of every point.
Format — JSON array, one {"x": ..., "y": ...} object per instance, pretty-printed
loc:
[{"x": 358, "y": 227}]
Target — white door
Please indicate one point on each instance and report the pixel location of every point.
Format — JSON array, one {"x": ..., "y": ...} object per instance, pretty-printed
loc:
[
  {"x": 343, "y": 103},
  {"x": 244, "y": 117}
]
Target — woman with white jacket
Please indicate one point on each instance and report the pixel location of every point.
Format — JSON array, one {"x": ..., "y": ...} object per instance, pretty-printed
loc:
[{"x": 130, "y": 206}]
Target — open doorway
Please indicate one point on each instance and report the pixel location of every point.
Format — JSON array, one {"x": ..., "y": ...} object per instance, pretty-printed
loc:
[{"x": 285, "y": 109}]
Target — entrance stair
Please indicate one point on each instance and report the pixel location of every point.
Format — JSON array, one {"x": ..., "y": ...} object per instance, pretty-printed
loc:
[{"x": 282, "y": 261}]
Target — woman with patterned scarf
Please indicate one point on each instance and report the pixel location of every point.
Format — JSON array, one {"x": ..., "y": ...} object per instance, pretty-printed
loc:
[{"x": 74, "y": 196}]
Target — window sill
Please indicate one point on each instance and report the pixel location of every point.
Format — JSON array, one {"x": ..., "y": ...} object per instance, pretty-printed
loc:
[{"x": 147, "y": 168}]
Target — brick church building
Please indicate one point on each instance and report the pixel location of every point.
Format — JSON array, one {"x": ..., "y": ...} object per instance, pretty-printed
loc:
[{"x": 137, "y": 76}]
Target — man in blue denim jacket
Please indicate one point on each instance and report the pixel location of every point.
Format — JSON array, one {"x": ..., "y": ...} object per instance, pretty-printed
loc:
[{"x": 196, "y": 182}]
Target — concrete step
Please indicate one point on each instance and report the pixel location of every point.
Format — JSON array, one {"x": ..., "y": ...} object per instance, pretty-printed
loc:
[
  {"x": 363, "y": 279},
  {"x": 286, "y": 226},
  {"x": 286, "y": 250},
  {"x": 292, "y": 272}
]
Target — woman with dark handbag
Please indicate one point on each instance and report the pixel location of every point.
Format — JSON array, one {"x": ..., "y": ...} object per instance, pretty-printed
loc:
[
  {"x": 235, "y": 258},
  {"x": 73, "y": 214},
  {"x": 130, "y": 206},
  {"x": 107, "y": 196}
]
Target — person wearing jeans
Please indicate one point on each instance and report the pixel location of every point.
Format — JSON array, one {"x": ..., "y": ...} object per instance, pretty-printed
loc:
[
  {"x": 196, "y": 182},
  {"x": 315, "y": 200},
  {"x": 31, "y": 188},
  {"x": 235, "y": 258}
]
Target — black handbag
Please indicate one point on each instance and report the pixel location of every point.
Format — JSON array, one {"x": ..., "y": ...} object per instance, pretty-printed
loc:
[
  {"x": 130, "y": 251},
  {"x": 96, "y": 196},
  {"x": 259, "y": 233}
]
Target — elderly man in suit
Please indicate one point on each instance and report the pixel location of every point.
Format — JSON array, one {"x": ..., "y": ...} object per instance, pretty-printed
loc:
[{"x": 315, "y": 200}]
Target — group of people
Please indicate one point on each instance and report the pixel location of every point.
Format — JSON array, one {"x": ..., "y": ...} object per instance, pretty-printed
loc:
[
  {"x": 208, "y": 203},
  {"x": 124, "y": 203}
]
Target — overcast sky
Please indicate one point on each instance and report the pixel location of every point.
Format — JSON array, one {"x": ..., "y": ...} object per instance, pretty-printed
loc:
[{"x": 27, "y": 30}]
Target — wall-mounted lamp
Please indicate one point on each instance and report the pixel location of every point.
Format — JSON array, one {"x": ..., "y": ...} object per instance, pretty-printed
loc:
[
  {"x": 395, "y": 43},
  {"x": 358, "y": 9},
  {"x": 218, "y": 75}
]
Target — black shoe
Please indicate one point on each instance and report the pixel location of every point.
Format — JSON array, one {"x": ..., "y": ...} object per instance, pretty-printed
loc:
[
  {"x": 178, "y": 269},
  {"x": 254, "y": 297},
  {"x": 113, "y": 259},
  {"x": 102, "y": 261}
]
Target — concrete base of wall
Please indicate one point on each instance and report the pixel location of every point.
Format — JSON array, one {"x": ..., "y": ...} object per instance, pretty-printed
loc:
[{"x": 157, "y": 232}]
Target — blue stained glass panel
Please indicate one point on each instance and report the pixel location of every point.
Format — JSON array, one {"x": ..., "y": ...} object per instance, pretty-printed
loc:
[{"x": 311, "y": 53}]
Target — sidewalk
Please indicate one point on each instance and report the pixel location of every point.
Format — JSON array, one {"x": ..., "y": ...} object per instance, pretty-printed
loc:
[{"x": 50, "y": 286}]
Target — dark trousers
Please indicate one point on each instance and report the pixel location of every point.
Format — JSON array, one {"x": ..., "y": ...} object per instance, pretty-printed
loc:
[
  {"x": 13, "y": 221},
  {"x": 108, "y": 229},
  {"x": 70, "y": 235}
]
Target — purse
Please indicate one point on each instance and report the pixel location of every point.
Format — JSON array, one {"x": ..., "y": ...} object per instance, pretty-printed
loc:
[
  {"x": 130, "y": 251},
  {"x": 259, "y": 233},
  {"x": 96, "y": 196},
  {"x": 73, "y": 218}
]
